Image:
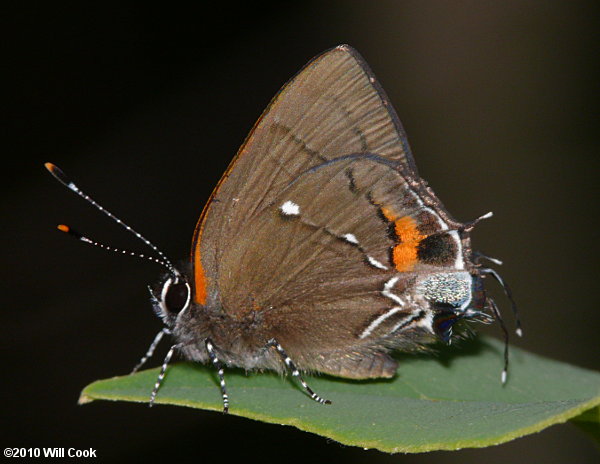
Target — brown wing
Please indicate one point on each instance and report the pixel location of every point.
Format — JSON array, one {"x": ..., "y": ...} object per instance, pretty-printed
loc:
[
  {"x": 333, "y": 107},
  {"x": 324, "y": 267},
  {"x": 321, "y": 223},
  {"x": 316, "y": 261}
]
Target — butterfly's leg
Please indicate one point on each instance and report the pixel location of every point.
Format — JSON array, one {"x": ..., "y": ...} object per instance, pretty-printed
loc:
[
  {"x": 498, "y": 317},
  {"x": 508, "y": 294},
  {"x": 294, "y": 370},
  {"x": 161, "y": 376},
  {"x": 213, "y": 357},
  {"x": 151, "y": 349}
]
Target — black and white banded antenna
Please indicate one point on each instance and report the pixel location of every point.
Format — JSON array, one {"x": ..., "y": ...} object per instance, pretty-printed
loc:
[
  {"x": 469, "y": 226},
  {"x": 508, "y": 293},
  {"x": 63, "y": 179},
  {"x": 478, "y": 256}
]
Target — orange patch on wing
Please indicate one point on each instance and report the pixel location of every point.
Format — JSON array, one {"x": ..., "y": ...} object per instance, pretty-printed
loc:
[
  {"x": 199, "y": 280},
  {"x": 404, "y": 254}
]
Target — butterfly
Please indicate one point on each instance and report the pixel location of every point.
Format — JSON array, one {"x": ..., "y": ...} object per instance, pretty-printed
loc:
[{"x": 321, "y": 249}]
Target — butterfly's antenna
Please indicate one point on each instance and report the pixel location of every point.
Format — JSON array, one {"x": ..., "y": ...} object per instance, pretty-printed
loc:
[
  {"x": 75, "y": 234},
  {"x": 63, "y": 179},
  {"x": 468, "y": 227},
  {"x": 478, "y": 256},
  {"x": 508, "y": 293},
  {"x": 498, "y": 317},
  {"x": 471, "y": 224}
]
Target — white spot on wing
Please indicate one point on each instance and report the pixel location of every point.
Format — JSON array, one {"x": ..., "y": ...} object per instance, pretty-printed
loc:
[
  {"x": 373, "y": 325},
  {"x": 373, "y": 262},
  {"x": 459, "y": 263},
  {"x": 289, "y": 208},
  {"x": 351, "y": 238},
  {"x": 387, "y": 293}
]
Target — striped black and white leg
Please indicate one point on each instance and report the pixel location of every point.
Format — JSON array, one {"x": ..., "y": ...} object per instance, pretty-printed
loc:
[
  {"x": 215, "y": 360},
  {"x": 508, "y": 294},
  {"x": 294, "y": 370},
  {"x": 498, "y": 317},
  {"x": 151, "y": 349},
  {"x": 161, "y": 376}
]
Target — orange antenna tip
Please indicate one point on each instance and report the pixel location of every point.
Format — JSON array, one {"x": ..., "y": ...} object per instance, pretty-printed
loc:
[
  {"x": 59, "y": 175},
  {"x": 63, "y": 179},
  {"x": 72, "y": 232}
]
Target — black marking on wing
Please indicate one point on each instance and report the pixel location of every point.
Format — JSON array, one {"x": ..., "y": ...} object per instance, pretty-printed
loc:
[
  {"x": 351, "y": 181},
  {"x": 300, "y": 141},
  {"x": 359, "y": 133},
  {"x": 391, "y": 229},
  {"x": 437, "y": 249}
]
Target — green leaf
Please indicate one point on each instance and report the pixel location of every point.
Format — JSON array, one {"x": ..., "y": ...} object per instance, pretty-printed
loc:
[{"x": 445, "y": 402}]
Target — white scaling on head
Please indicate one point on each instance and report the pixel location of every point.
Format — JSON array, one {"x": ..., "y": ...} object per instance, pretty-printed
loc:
[
  {"x": 453, "y": 288},
  {"x": 387, "y": 293},
  {"x": 289, "y": 208}
]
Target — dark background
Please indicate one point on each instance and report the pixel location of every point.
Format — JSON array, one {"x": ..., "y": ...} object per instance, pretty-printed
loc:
[{"x": 145, "y": 106}]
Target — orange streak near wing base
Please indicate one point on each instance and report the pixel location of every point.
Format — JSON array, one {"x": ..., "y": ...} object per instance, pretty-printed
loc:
[{"x": 199, "y": 280}]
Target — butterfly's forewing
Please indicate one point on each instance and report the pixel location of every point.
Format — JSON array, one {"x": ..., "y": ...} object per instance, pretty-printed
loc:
[
  {"x": 332, "y": 107},
  {"x": 301, "y": 228}
]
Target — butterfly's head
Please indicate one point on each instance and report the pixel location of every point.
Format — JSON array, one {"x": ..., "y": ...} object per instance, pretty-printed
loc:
[
  {"x": 170, "y": 297},
  {"x": 453, "y": 296}
]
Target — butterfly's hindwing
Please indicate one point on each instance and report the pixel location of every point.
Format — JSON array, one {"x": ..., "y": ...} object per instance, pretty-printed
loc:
[{"x": 343, "y": 242}]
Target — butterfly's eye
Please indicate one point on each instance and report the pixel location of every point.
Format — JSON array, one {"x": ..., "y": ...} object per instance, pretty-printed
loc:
[{"x": 175, "y": 296}]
